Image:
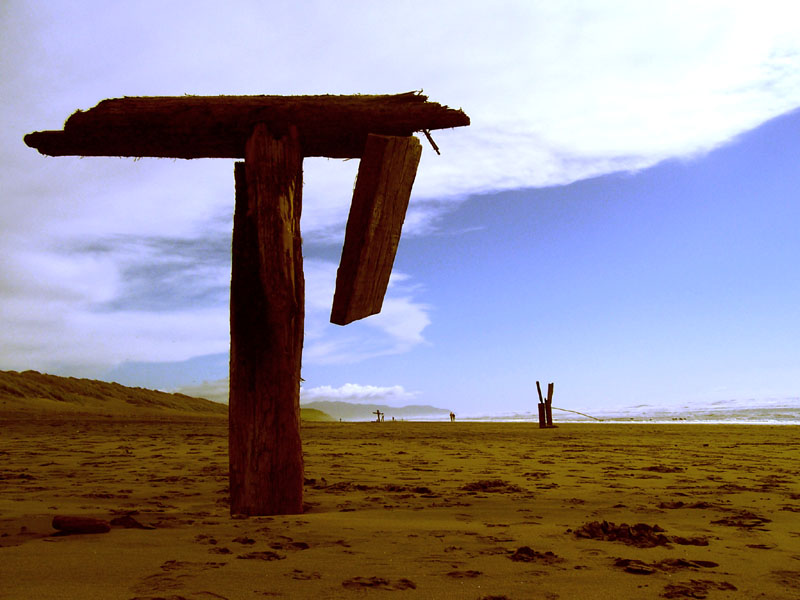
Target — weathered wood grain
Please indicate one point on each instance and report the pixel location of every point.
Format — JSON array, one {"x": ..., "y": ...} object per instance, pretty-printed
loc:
[
  {"x": 267, "y": 314},
  {"x": 219, "y": 126},
  {"x": 380, "y": 200},
  {"x": 549, "y": 405}
]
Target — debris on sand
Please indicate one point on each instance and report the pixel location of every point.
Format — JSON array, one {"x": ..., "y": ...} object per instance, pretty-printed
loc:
[
  {"x": 128, "y": 522},
  {"x": 640, "y": 535},
  {"x": 67, "y": 525},
  {"x": 528, "y": 554}
]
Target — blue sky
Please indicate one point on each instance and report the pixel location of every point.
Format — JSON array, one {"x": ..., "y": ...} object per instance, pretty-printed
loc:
[
  {"x": 673, "y": 285},
  {"x": 621, "y": 217}
]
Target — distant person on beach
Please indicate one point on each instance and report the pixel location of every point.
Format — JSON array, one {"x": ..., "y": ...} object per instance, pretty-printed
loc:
[{"x": 452, "y": 417}]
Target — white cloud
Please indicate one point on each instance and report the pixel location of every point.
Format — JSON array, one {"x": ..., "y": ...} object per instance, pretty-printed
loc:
[
  {"x": 398, "y": 328},
  {"x": 42, "y": 334},
  {"x": 353, "y": 393}
]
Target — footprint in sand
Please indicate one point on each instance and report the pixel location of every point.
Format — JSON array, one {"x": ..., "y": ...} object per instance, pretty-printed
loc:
[
  {"x": 303, "y": 576},
  {"x": 378, "y": 583},
  {"x": 244, "y": 540},
  {"x": 695, "y": 588},
  {"x": 262, "y": 555},
  {"x": 174, "y": 575},
  {"x": 470, "y": 574},
  {"x": 744, "y": 519},
  {"x": 669, "y": 565},
  {"x": 290, "y": 545}
]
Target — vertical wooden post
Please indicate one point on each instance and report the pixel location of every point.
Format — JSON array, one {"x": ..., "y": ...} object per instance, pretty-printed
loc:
[
  {"x": 541, "y": 407},
  {"x": 542, "y": 416},
  {"x": 549, "y": 405},
  {"x": 267, "y": 313}
]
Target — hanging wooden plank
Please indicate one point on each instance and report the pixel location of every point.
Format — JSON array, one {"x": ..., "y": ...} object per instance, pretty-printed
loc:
[
  {"x": 219, "y": 126},
  {"x": 267, "y": 313},
  {"x": 380, "y": 199}
]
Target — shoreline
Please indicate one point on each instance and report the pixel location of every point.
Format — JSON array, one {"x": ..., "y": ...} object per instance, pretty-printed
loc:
[{"x": 148, "y": 416}]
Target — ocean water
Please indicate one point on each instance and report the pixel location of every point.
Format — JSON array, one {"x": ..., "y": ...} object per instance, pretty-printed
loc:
[{"x": 768, "y": 412}]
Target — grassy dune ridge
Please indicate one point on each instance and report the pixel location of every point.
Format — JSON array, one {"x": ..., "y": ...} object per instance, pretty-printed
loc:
[
  {"x": 31, "y": 392},
  {"x": 39, "y": 392}
]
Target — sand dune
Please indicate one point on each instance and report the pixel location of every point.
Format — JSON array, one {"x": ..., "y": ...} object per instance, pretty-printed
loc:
[
  {"x": 417, "y": 510},
  {"x": 39, "y": 395},
  {"x": 31, "y": 392}
]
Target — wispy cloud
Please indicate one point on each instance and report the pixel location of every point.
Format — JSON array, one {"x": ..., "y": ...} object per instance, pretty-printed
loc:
[
  {"x": 157, "y": 274},
  {"x": 395, "y": 395}
]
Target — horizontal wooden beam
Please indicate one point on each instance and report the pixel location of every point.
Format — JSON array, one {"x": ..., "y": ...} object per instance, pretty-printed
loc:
[
  {"x": 219, "y": 126},
  {"x": 380, "y": 200}
]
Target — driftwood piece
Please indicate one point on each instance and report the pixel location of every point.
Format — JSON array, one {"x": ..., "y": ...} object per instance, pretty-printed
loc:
[
  {"x": 267, "y": 313},
  {"x": 128, "y": 522},
  {"x": 219, "y": 126},
  {"x": 67, "y": 525},
  {"x": 380, "y": 200}
]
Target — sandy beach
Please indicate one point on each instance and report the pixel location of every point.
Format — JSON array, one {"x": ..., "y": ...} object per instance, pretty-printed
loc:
[{"x": 417, "y": 510}]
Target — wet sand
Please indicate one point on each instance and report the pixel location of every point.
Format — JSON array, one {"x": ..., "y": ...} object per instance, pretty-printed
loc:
[{"x": 416, "y": 510}]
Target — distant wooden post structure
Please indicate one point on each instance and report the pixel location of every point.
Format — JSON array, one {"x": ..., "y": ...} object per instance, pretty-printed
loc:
[
  {"x": 545, "y": 407},
  {"x": 273, "y": 134}
]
